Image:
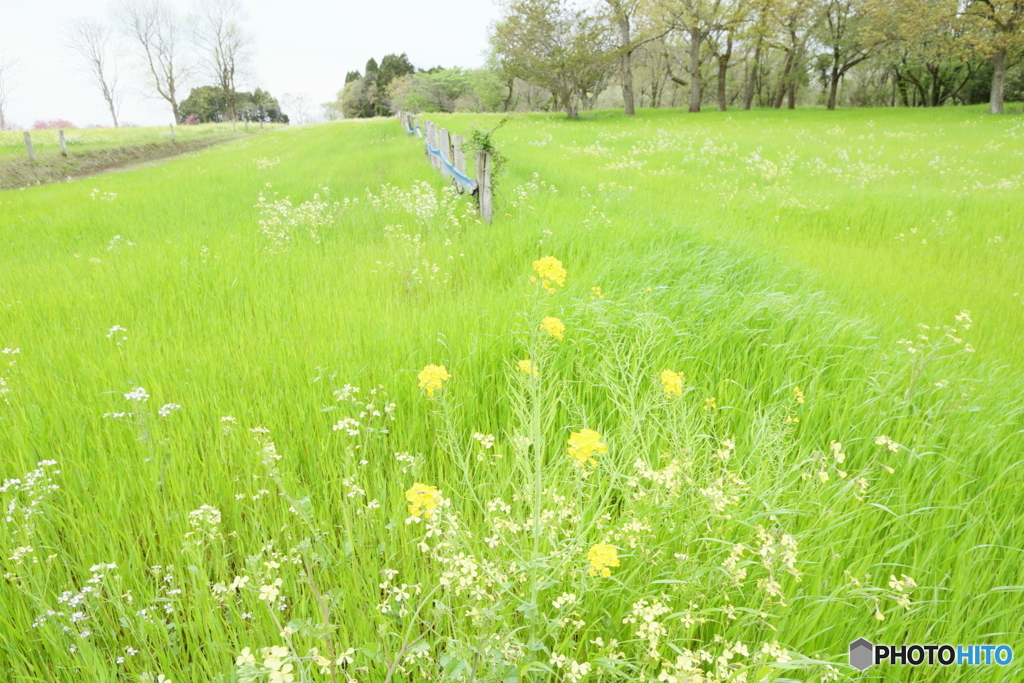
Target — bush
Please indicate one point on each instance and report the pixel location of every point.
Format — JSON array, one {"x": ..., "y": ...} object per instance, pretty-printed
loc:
[{"x": 51, "y": 124}]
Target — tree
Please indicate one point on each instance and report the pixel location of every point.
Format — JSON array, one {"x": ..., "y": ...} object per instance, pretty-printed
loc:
[
  {"x": 623, "y": 12},
  {"x": 437, "y": 91},
  {"x": 354, "y": 101},
  {"x": 261, "y": 107},
  {"x": 926, "y": 50},
  {"x": 93, "y": 43},
  {"x": 699, "y": 20},
  {"x": 209, "y": 105},
  {"x": 566, "y": 49},
  {"x": 842, "y": 30},
  {"x": 999, "y": 34},
  {"x": 225, "y": 47},
  {"x": 791, "y": 21},
  {"x": 8, "y": 67},
  {"x": 154, "y": 27},
  {"x": 300, "y": 105}
]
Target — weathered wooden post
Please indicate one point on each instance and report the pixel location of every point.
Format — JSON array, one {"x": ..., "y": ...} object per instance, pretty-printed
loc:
[
  {"x": 458, "y": 154},
  {"x": 28, "y": 146},
  {"x": 445, "y": 145},
  {"x": 426, "y": 141},
  {"x": 172, "y": 132},
  {"x": 483, "y": 181},
  {"x": 432, "y": 141},
  {"x": 63, "y": 145}
]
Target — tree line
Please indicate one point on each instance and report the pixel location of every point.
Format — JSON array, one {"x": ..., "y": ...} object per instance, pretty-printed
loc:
[
  {"x": 736, "y": 52},
  {"x": 573, "y": 54}
]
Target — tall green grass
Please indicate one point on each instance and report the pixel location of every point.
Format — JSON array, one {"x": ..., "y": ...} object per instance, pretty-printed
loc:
[{"x": 705, "y": 495}]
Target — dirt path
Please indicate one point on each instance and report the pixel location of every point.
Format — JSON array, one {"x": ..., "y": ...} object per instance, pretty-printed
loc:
[{"x": 51, "y": 168}]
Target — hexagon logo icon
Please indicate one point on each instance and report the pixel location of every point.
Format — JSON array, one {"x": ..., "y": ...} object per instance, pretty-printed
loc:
[{"x": 862, "y": 654}]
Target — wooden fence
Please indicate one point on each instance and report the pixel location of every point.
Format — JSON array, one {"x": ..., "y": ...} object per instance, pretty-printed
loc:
[{"x": 445, "y": 153}]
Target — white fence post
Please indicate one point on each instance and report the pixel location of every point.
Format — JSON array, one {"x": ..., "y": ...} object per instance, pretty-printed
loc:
[{"x": 63, "y": 145}]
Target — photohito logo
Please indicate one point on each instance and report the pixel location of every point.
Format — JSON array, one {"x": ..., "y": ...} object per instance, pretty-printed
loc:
[{"x": 863, "y": 654}]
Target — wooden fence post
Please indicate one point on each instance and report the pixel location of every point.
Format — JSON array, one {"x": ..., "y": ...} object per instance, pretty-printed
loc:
[
  {"x": 458, "y": 155},
  {"x": 28, "y": 146},
  {"x": 432, "y": 140},
  {"x": 445, "y": 145},
  {"x": 426, "y": 141},
  {"x": 63, "y": 145},
  {"x": 172, "y": 132},
  {"x": 483, "y": 181}
]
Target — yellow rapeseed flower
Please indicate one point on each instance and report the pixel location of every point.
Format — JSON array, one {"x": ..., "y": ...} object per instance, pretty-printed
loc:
[
  {"x": 672, "y": 382},
  {"x": 526, "y": 367},
  {"x": 710, "y": 403},
  {"x": 799, "y": 394},
  {"x": 551, "y": 270},
  {"x": 583, "y": 445},
  {"x": 432, "y": 378},
  {"x": 601, "y": 556},
  {"x": 423, "y": 500},
  {"x": 553, "y": 326}
]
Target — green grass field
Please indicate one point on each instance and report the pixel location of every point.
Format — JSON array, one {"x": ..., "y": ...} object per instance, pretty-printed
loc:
[
  {"x": 95, "y": 139},
  {"x": 221, "y": 460}
]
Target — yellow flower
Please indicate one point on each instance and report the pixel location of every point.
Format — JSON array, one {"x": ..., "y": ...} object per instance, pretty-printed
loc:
[
  {"x": 551, "y": 270},
  {"x": 553, "y": 326},
  {"x": 432, "y": 378},
  {"x": 672, "y": 382},
  {"x": 799, "y": 394},
  {"x": 710, "y": 403},
  {"x": 423, "y": 500},
  {"x": 526, "y": 367},
  {"x": 583, "y": 445},
  {"x": 601, "y": 556},
  {"x": 597, "y": 293}
]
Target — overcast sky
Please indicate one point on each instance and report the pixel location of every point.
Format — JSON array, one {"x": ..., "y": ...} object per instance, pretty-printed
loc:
[{"x": 302, "y": 46}]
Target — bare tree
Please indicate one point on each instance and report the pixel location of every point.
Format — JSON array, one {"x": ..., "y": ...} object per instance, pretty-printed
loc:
[
  {"x": 299, "y": 107},
  {"x": 93, "y": 42},
  {"x": 226, "y": 48},
  {"x": 8, "y": 66},
  {"x": 154, "y": 28}
]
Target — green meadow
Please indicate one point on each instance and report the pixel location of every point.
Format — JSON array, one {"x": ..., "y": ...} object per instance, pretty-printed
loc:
[
  {"x": 265, "y": 413},
  {"x": 95, "y": 139}
]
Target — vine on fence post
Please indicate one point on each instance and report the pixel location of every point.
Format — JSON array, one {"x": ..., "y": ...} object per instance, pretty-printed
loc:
[{"x": 489, "y": 162}]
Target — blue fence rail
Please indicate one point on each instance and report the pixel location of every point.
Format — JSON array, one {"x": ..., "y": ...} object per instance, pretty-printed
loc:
[{"x": 445, "y": 153}]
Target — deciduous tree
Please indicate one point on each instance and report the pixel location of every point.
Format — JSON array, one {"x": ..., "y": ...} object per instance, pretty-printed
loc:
[
  {"x": 225, "y": 47},
  {"x": 562, "y": 47},
  {"x": 154, "y": 29},
  {"x": 93, "y": 43}
]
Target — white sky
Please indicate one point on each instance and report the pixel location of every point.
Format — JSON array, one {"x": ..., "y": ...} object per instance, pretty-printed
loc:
[{"x": 302, "y": 47}]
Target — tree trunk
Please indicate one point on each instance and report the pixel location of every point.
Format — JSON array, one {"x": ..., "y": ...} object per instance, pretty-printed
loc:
[
  {"x": 791, "y": 103},
  {"x": 696, "y": 38},
  {"x": 723, "y": 68},
  {"x": 627, "y": 63},
  {"x": 569, "y": 104},
  {"x": 780, "y": 92},
  {"x": 176, "y": 111},
  {"x": 995, "y": 100},
  {"x": 748, "y": 95},
  {"x": 833, "y": 85}
]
